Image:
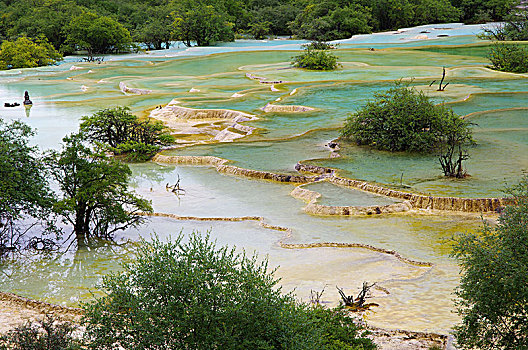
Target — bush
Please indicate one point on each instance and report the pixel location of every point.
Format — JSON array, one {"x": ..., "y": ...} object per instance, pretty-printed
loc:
[
  {"x": 316, "y": 56},
  {"x": 195, "y": 296},
  {"x": 404, "y": 119},
  {"x": 48, "y": 334},
  {"x": 508, "y": 58},
  {"x": 123, "y": 133},
  {"x": 493, "y": 291}
]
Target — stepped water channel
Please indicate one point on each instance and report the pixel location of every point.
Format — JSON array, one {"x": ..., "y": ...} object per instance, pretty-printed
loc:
[{"x": 242, "y": 202}]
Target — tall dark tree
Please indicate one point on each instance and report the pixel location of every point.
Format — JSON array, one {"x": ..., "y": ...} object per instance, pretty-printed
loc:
[
  {"x": 24, "y": 190},
  {"x": 95, "y": 198}
]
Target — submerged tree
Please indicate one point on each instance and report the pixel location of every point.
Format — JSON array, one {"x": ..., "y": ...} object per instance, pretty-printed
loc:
[
  {"x": 97, "y": 34},
  {"x": 24, "y": 190},
  {"x": 200, "y": 23},
  {"x": 404, "y": 119},
  {"x": 316, "y": 56},
  {"x": 452, "y": 143},
  {"x": 329, "y": 20},
  {"x": 493, "y": 292},
  {"x": 95, "y": 198}
]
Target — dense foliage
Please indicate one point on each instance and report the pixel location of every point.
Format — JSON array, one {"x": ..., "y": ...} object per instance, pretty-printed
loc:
[
  {"x": 481, "y": 11},
  {"x": 509, "y": 58},
  {"x": 316, "y": 56},
  {"x": 95, "y": 199},
  {"x": 194, "y": 295},
  {"x": 96, "y": 34},
  {"x": 109, "y": 25},
  {"x": 201, "y": 23},
  {"x": 27, "y": 53},
  {"x": 493, "y": 293},
  {"x": 24, "y": 190},
  {"x": 404, "y": 119},
  {"x": 328, "y": 20},
  {"x": 123, "y": 133},
  {"x": 47, "y": 334}
]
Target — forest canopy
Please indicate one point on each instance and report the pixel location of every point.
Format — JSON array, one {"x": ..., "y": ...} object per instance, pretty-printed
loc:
[{"x": 154, "y": 23}]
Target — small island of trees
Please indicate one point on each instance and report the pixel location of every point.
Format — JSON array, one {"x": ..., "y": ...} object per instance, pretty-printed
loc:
[{"x": 403, "y": 119}]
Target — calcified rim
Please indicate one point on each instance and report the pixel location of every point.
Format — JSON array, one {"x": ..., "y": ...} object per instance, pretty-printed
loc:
[
  {"x": 41, "y": 306},
  {"x": 288, "y": 233},
  {"x": 311, "y": 197},
  {"x": 410, "y": 200}
]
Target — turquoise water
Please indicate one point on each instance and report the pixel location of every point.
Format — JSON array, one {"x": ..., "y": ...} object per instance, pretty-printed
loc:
[{"x": 420, "y": 298}]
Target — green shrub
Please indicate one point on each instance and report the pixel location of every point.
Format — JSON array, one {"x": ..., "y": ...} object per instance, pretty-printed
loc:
[
  {"x": 136, "y": 151},
  {"x": 48, "y": 334},
  {"x": 339, "y": 332},
  {"x": 493, "y": 291},
  {"x": 509, "y": 58},
  {"x": 195, "y": 296},
  {"x": 404, "y": 119},
  {"x": 316, "y": 56}
]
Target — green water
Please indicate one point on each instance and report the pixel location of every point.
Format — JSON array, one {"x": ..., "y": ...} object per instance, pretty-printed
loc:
[
  {"x": 420, "y": 298},
  {"x": 342, "y": 196}
]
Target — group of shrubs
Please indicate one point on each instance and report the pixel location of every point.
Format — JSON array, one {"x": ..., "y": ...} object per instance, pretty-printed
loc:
[{"x": 195, "y": 295}]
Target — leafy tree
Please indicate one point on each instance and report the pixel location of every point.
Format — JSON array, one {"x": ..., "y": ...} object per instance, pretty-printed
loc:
[
  {"x": 157, "y": 30},
  {"x": 391, "y": 14},
  {"x": 493, "y": 292},
  {"x": 316, "y": 56},
  {"x": 434, "y": 11},
  {"x": 95, "y": 198},
  {"x": 259, "y": 30},
  {"x": 154, "y": 34},
  {"x": 403, "y": 119},
  {"x": 508, "y": 58},
  {"x": 24, "y": 190},
  {"x": 27, "y": 53},
  {"x": 193, "y": 295},
  {"x": 327, "y": 20},
  {"x": 278, "y": 14},
  {"x": 97, "y": 34},
  {"x": 123, "y": 133},
  {"x": 197, "y": 22}
]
